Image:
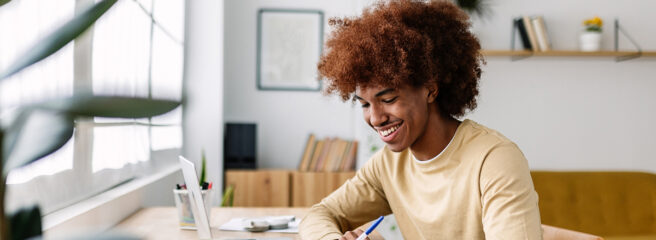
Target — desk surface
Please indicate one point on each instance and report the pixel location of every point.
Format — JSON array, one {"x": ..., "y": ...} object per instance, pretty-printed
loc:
[{"x": 162, "y": 223}]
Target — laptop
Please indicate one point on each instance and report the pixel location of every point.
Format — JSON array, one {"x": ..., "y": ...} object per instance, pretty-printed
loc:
[
  {"x": 197, "y": 206},
  {"x": 196, "y": 199}
]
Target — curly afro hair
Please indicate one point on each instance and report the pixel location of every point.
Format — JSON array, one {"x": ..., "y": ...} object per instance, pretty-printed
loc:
[{"x": 405, "y": 42}]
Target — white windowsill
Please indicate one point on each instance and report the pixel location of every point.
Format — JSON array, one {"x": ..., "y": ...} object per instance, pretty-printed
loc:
[{"x": 102, "y": 211}]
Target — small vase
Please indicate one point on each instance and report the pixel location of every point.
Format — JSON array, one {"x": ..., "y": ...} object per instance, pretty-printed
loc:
[{"x": 590, "y": 41}]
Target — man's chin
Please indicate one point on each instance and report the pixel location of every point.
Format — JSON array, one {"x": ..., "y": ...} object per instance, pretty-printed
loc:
[{"x": 395, "y": 147}]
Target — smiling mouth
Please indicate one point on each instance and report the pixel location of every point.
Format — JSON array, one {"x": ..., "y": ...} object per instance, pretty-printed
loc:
[{"x": 389, "y": 131}]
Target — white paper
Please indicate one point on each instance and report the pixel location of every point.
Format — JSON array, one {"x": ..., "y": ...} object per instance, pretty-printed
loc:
[{"x": 236, "y": 224}]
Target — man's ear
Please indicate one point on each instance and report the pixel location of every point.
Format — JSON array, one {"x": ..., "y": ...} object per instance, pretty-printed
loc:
[{"x": 432, "y": 93}]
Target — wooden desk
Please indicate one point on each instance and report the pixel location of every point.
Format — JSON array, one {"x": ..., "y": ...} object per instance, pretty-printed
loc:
[{"x": 162, "y": 223}]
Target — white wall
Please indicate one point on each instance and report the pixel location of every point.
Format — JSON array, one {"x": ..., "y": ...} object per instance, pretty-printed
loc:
[
  {"x": 203, "y": 83},
  {"x": 565, "y": 113},
  {"x": 284, "y": 119},
  {"x": 573, "y": 113}
]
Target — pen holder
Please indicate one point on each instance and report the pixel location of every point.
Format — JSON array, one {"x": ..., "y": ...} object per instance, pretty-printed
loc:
[{"x": 185, "y": 214}]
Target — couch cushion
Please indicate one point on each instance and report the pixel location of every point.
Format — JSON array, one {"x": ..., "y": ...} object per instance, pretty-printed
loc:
[
  {"x": 637, "y": 237},
  {"x": 556, "y": 233},
  {"x": 600, "y": 203}
]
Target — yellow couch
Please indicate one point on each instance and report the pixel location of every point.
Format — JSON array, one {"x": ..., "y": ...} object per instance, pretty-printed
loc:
[{"x": 614, "y": 205}]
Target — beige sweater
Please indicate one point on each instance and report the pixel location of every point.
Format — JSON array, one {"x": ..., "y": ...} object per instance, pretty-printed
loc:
[{"x": 479, "y": 187}]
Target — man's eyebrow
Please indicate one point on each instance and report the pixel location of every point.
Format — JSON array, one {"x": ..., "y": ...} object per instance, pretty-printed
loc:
[
  {"x": 384, "y": 92},
  {"x": 387, "y": 90}
]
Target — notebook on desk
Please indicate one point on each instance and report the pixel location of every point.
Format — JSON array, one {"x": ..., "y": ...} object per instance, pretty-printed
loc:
[{"x": 198, "y": 207}]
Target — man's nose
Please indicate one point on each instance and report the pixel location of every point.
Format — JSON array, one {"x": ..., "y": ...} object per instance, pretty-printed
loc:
[{"x": 378, "y": 116}]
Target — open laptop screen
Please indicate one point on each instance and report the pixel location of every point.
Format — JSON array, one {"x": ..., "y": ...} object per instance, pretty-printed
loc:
[{"x": 195, "y": 198}]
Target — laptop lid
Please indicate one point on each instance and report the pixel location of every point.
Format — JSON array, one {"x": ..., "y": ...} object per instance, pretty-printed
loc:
[{"x": 195, "y": 198}]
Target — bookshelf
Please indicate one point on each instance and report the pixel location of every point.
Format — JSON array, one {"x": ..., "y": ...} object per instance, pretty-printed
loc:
[
  {"x": 618, "y": 55},
  {"x": 566, "y": 53}
]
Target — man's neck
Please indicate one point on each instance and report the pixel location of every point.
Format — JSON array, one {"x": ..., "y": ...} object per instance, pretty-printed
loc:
[{"x": 437, "y": 135}]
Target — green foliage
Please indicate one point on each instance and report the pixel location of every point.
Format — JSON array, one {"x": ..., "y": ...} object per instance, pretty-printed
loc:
[
  {"x": 477, "y": 7},
  {"x": 110, "y": 106},
  {"x": 40, "y": 129},
  {"x": 25, "y": 223},
  {"x": 33, "y": 135},
  {"x": 593, "y": 28},
  {"x": 228, "y": 196},
  {"x": 59, "y": 38},
  {"x": 203, "y": 168}
]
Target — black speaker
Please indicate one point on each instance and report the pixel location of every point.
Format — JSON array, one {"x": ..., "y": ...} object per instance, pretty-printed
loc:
[{"x": 239, "y": 146}]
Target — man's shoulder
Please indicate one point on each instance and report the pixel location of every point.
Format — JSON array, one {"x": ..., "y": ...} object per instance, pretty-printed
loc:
[{"x": 475, "y": 133}]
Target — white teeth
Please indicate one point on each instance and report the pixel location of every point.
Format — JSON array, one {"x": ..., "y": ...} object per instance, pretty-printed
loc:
[{"x": 387, "y": 132}]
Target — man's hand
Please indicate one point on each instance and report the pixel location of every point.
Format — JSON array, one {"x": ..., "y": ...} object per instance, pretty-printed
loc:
[{"x": 352, "y": 235}]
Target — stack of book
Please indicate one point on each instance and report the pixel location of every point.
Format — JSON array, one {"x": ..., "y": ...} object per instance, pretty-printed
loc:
[
  {"x": 533, "y": 33},
  {"x": 328, "y": 155}
]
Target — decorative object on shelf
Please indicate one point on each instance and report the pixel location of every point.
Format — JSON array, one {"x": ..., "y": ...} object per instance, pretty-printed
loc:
[
  {"x": 590, "y": 39},
  {"x": 289, "y": 44}
]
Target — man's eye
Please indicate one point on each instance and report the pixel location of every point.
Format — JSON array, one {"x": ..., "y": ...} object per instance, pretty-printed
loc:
[
  {"x": 389, "y": 100},
  {"x": 365, "y": 105}
]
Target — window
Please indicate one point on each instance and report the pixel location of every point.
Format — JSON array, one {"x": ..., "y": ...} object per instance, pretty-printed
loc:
[{"x": 135, "y": 49}]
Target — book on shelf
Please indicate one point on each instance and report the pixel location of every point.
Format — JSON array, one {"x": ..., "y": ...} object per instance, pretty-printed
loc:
[
  {"x": 315, "y": 155},
  {"x": 307, "y": 153},
  {"x": 328, "y": 155},
  {"x": 541, "y": 33},
  {"x": 333, "y": 156},
  {"x": 340, "y": 155},
  {"x": 532, "y": 33},
  {"x": 523, "y": 35},
  {"x": 322, "y": 156},
  {"x": 344, "y": 157},
  {"x": 352, "y": 156}
]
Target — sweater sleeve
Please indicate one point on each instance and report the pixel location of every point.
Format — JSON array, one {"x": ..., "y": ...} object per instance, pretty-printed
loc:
[
  {"x": 509, "y": 201},
  {"x": 360, "y": 200}
]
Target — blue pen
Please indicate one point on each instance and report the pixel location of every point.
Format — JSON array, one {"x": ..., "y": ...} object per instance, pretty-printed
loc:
[{"x": 370, "y": 229}]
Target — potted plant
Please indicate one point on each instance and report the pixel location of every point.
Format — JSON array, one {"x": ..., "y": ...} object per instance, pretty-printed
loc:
[
  {"x": 590, "y": 39},
  {"x": 42, "y": 128}
]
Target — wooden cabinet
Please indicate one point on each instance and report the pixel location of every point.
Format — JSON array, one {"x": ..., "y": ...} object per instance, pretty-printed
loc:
[
  {"x": 282, "y": 188},
  {"x": 310, "y": 187},
  {"x": 263, "y": 188}
]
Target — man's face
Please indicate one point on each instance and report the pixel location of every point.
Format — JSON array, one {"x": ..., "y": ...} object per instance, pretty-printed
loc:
[{"x": 398, "y": 115}]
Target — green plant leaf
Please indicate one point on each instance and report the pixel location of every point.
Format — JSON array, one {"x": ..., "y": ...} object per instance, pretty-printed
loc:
[
  {"x": 42, "y": 128},
  {"x": 59, "y": 38},
  {"x": 203, "y": 167},
  {"x": 228, "y": 196},
  {"x": 110, "y": 106},
  {"x": 3, "y": 2},
  {"x": 25, "y": 223},
  {"x": 33, "y": 135},
  {"x": 478, "y": 7}
]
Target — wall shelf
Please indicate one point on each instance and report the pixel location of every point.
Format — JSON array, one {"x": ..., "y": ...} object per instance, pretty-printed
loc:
[{"x": 619, "y": 55}]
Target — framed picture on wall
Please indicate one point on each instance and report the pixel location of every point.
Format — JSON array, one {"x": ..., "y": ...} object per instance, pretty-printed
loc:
[{"x": 289, "y": 44}]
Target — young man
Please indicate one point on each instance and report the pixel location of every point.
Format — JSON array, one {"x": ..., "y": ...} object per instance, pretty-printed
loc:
[{"x": 414, "y": 67}]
